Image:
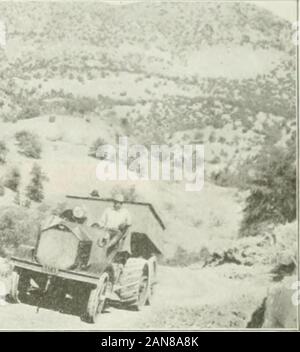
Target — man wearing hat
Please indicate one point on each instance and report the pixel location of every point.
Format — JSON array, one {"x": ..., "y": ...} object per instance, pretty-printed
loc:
[{"x": 116, "y": 220}]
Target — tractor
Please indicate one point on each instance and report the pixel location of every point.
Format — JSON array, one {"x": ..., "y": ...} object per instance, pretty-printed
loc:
[{"x": 71, "y": 262}]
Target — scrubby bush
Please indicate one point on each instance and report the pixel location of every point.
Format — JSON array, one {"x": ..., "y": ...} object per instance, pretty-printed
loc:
[
  {"x": 94, "y": 148},
  {"x": 52, "y": 119},
  {"x": 35, "y": 189},
  {"x": 10, "y": 117},
  {"x": 29, "y": 144},
  {"x": 29, "y": 111},
  {"x": 183, "y": 257},
  {"x": 3, "y": 152},
  {"x": 225, "y": 178},
  {"x": 12, "y": 179},
  {"x": 197, "y": 223},
  {"x": 80, "y": 105}
]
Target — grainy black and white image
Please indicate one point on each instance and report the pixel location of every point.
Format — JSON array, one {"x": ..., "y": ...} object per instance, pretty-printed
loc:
[{"x": 148, "y": 165}]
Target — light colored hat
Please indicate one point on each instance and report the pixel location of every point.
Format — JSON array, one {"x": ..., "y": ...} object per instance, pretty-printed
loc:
[{"x": 119, "y": 198}]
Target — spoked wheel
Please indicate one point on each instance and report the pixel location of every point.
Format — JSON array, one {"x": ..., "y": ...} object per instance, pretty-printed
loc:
[
  {"x": 134, "y": 283},
  {"x": 143, "y": 291},
  {"x": 19, "y": 286},
  {"x": 152, "y": 264},
  {"x": 97, "y": 300},
  {"x": 14, "y": 292}
]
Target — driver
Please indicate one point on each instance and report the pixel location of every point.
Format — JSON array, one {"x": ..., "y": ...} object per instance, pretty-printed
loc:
[
  {"x": 116, "y": 220},
  {"x": 77, "y": 214}
]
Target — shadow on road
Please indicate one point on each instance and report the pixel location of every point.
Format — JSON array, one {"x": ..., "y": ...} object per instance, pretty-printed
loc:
[{"x": 63, "y": 304}]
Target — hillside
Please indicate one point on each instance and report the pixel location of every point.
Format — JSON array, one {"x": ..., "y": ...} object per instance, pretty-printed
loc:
[
  {"x": 219, "y": 75},
  {"x": 222, "y": 75}
]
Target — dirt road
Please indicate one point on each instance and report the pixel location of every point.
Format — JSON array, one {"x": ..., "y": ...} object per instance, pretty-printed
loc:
[{"x": 185, "y": 298}]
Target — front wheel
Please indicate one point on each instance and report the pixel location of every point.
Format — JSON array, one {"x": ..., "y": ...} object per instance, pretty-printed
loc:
[
  {"x": 97, "y": 300},
  {"x": 143, "y": 291},
  {"x": 19, "y": 286}
]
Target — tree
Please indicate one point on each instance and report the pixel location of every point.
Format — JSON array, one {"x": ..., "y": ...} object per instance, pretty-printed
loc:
[
  {"x": 272, "y": 198},
  {"x": 13, "y": 179},
  {"x": 29, "y": 144},
  {"x": 94, "y": 148},
  {"x": 18, "y": 226},
  {"x": 35, "y": 189}
]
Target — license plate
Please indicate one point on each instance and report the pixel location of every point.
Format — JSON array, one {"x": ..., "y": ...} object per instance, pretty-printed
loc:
[{"x": 50, "y": 270}]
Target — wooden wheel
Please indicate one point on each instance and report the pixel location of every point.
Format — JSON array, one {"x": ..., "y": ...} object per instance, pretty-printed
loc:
[
  {"x": 143, "y": 291},
  {"x": 97, "y": 299},
  {"x": 134, "y": 283},
  {"x": 152, "y": 263},
  {"x": 14, "y": 290},
  {"x": 19, "y": 286}
]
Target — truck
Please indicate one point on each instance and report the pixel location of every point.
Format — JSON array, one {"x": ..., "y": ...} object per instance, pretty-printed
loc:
[{"x": 71, "y": 262}]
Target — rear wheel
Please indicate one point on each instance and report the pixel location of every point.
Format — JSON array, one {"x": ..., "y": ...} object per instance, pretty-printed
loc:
[
  {"x": 96, "y": 300},
  {"x": 134, "y": 282},
  {"x": 152, "y": 263},
  {"x": 143, "y": 291}
]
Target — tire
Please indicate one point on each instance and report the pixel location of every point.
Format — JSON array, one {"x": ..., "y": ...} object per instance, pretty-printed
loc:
[
  {"x": 143, "y": 292},
  {"x": 134, "y": 283},
  {"x": 19, "y": 286},
  {"x": 96, "y": 300},
  {"x": 152, "y": 263},
  {"x": 14, "y": 291}
]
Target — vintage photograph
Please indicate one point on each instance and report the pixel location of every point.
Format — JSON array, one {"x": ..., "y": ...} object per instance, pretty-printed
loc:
[{"x": 148, "y": 165}]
